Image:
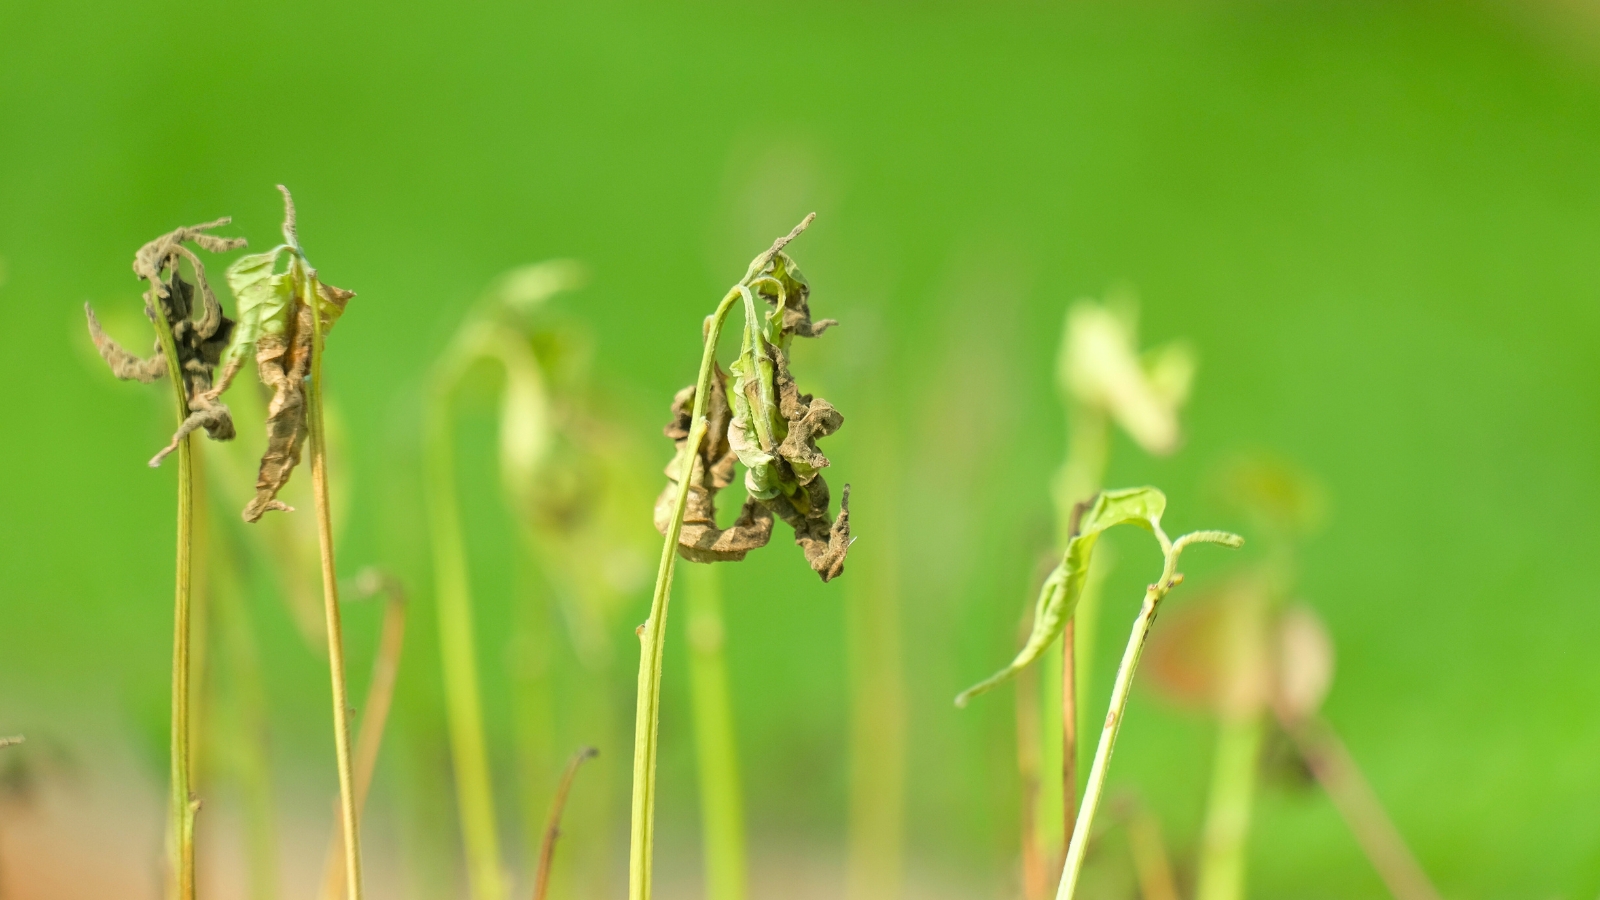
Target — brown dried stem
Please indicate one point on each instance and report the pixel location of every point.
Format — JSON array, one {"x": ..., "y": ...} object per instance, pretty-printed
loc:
[{"x": 552, "y": 828}]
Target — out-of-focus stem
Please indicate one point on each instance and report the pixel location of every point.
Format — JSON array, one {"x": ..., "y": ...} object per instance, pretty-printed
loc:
[
  {"x": 1035, "y": 879},
  {"x": 552, "y": 828},
  {"x": 180, "y": 801},
  {"x": 1150, "y": 861},
  {"x": 1224, "y": 841},
  {"x": 721, "y": 805},
  {"x": 1080, "y": 476},
  {"x": 249, "y": 741},
  {"x": 1336, "y": 770},
  {"x": 453, "y": 596},
  {"x": 349, "y": 816},
  {"x": 877, "y": 692},
  {"x": 375, "y": 712}
]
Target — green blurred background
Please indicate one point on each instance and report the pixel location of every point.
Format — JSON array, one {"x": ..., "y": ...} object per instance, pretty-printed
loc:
[{"x": 1376, "y": 222}]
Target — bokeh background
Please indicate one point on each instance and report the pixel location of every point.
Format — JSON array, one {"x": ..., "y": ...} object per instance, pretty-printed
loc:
[{"x": 1375, "y": 222}]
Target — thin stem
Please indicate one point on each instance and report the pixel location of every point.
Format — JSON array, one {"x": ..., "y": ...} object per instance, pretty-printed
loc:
[
  {"x": 1336, "y": 770},
  {"x": 1223, "y": 842},
  {"x": 330, "y": 602},
  {"x": 1081, "y": 475},
  {"x": 458, "y": 652},
  {"x": 647, "y": 711},
  {"x": 374, "y": 715},
  {"x": 552, "y": 828},
  {"x": 721, "y": 812},
  {"x": 181, "y": 802},
  {"x": 1153, "y": 595}
]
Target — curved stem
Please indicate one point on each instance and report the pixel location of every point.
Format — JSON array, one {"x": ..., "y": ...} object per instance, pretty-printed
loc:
[
  {"x": 330, "y": 601},
  {"x": 180, "y": 801},
  {"x": 647, "y": 711}
]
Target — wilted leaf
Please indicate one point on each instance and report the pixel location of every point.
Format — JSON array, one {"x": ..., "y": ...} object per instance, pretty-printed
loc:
[{"x": 1059, "y": 596}]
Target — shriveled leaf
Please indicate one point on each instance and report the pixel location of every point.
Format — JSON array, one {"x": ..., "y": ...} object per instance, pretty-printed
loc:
[
  {"x": 709, "y": 471},
  {"x": 1058, "y": 598},
  {"x": 331, "y": 302}
]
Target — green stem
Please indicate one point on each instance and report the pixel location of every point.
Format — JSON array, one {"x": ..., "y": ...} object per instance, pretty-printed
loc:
[
  {"x": 721, "y": 813},
  {"x": 647, "y": 710},
  {"x": 181, "y": 802},
  {"x": 458, "y": 653},
  {"x": 349, "y": 814},
  {"x": 1095, "y": 786},
  {"x": 1233, "y": 776}
]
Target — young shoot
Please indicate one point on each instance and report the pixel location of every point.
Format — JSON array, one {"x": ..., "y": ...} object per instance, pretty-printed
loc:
[{"x": 1132, "y": 506}]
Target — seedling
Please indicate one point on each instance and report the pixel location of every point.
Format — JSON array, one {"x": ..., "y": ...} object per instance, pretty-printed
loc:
[
  {"x": 187, "y": 353},
  {"x": 1057, "y": 600},
  {"x": 1103, "y": 378},
  {"x": 284, "y": 317},
  {"x": 772, "y": 429}
]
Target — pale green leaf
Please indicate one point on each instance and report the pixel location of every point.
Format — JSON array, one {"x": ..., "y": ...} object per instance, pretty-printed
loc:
[
  {"x": 1058, "y": 598},
  {"x": 264, "y": 299}
]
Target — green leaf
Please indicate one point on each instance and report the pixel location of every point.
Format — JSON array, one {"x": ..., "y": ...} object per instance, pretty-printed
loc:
[
  {"x": 264, "y": 298},
  {"x": 1058, "y": 598}
]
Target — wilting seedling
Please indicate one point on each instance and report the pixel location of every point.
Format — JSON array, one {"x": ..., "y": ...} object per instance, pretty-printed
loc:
[
  {"x": 1131, "y": 506},
  {"x": 187, "y": 352},
  {"x": 770, "y": 427},
  {"x": 275, "y": 310},
  {"x": 284, "y": 317},
  {"x": 194, "y": 346}
]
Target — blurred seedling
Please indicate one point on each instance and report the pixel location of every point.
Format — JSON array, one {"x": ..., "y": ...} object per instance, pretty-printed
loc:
[
  {"x": 284, "y": 316},
  {"x": 1228, "y": 652},
  {"x": 772, "y": 429},
  {"x": 187, "y": 353},
  {"x": 1243, "y": 653},
  {"x": 1130, "y": 506},
  {"x": 1103, "y": 379},
  {"x": 495, "y": 331}
]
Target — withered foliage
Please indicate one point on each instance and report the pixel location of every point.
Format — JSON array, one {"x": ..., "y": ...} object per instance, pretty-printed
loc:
[
  {"x": 198, "y": 343},
  {"x": 275, "y": 310},
  {"x": 770, "y": 427}
]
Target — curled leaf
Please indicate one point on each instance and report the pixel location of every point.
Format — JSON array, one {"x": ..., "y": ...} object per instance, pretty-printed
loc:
[
  {"x": 1058, "y": 598},
  {"x": 769, "y": 427},
  {"x": 708, "y": 472},
  {"x": 197, "y": 342}
]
